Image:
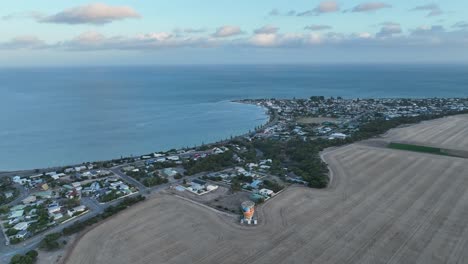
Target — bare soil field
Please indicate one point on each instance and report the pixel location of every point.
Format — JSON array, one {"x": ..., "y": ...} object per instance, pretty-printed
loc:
[
  {"x": 383, "y": 206},
  {"x": 450, "y": 133},
  {"x": 221, "y": 199}
]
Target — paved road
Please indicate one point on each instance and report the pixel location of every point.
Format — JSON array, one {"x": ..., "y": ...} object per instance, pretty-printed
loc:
[
  {"x": 128, "y": 179},
  {"x": 22, "y": 195},
  {"x": 95, "y": 207}
]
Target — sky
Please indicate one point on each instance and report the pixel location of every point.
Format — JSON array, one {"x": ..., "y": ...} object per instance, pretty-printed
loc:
[{"x": 147, "y": 32}]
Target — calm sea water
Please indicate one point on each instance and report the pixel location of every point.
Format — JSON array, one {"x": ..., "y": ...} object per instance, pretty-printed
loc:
[{"x": 62, "y": 116}]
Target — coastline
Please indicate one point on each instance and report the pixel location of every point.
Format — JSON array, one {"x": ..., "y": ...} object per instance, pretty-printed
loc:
[{"x": 269, "y": 115}]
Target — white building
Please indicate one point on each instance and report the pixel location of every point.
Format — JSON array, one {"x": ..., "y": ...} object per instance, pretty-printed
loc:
[
  {"x": 338, "y": 136},
  {"x": 21, "y": 226},
  {"x": 266, "y": 192},
  {"x": 173, "y": 158}
]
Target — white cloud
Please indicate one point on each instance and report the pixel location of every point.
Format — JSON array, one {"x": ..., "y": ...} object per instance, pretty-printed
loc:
[
  {"x": 288, "y": 40},
  {"x": 264, "y": 39},
  {"x": 370, "y": 6},
  {"x": 227, "y": 31},
  {"x": 96, "y": 13}
]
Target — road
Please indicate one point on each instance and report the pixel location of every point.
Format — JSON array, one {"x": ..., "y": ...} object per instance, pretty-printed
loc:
[
  {"x": 95, "y": 207},
  {"x": 22, "y": 195},
  {"x": 139, "y": 185}
]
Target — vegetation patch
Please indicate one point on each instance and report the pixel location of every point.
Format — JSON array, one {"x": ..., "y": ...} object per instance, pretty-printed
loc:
[{"x": 418, "y": 148}]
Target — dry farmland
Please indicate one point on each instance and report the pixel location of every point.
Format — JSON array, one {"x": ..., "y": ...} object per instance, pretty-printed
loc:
[
  {"x": 383, "y": 206},
  {"x": 450, "y": 132}
]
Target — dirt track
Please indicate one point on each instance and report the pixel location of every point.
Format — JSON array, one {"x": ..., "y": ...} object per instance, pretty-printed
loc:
[
  {"x": 450, "y": 132},
  {"x": 384, "y": 206}
]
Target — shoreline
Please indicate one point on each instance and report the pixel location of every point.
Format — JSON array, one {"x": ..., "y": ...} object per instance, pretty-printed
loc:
[{"x": 269, "y": 115}]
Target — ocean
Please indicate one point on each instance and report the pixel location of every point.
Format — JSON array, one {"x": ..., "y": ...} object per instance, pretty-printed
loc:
[{"x": 60, "y": 116}]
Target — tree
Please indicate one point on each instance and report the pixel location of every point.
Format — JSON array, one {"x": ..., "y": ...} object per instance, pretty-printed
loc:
[
  {"x": 29, "y": 258},
  {"x": 50, "y": 242},
  {"x": 235, "y": 186}
]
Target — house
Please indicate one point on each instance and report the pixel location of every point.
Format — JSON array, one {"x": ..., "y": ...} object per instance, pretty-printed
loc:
[
  {"x": 173, "y": 158},
  {"x": 16, "y": 214},
  {"x": 77, "y": 209},
  {"x": 57, "y": 215},
  {"x": 197, "y": 185},
  {"x": 211, "y": 187},
  {"x": 87, "y": 174},
  {"x": 170, "y": 172},
  {"x": 69, "y": 170},
  {"x": 73, "y": 194},
  {"x": 30, "y": 199},
  {"x": 77, "y": 186},
  {"x": 95, "y": 186},
  {"x": 266, "y": 192},
  {"x": 54, "y": 209},
  {"x": 80, "y": 168},
  {"x": 22, "y": 234},
  {"x": 45, "y": 187},
  {"x": 13, "y": 221},
  {"x": 8, "y": 194},
  {"x": 19, "y": 180},
  {"x": 255, "y": 184},
  {"x": 21, "y": 226},
  {"x": 128, "y": 168},
  {"x": 58, "y": 176},
  {"x": 338, "y": 136},
  {"x": 218, "y": 151},
  {"x": 44, "y": 194}
]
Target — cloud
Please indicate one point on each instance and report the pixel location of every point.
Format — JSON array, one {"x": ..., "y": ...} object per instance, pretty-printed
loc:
[
  {"x": 33, "y": 15},
  {"x": 227, "y": 31},
  {"x": 274, "y": 12},
  {"x": 189, "y": 30},
  {"x": 317, "y": 27},
  {"x": 96, "y": 14},
  {"x": 461, "y": 25},
  {"x": 151, "y": 41},
  {"x": 370, "y": 6},
  {"x": 428, "y": 30},
  {"x": 288, "y": 40},
  {"x": 322, "y": 8},
  {"x": 389, "y": 29},
  {"x": 434, "y": 10},
  {"x": 24, "y": 42},
  {"x": 268, "y": 29},
  {"x": 389, "y": 36}
]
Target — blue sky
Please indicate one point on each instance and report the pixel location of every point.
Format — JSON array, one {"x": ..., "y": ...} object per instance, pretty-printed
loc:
[{"x": 57, "y": 32}]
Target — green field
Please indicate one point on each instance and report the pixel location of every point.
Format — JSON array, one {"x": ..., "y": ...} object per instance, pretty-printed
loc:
[{"x": 417, "y": 148}]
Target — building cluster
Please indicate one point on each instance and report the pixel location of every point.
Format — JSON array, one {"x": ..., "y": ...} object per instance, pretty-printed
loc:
[
  {"x": 341, "y": 117},
  {"x": 52, "y": 198}
]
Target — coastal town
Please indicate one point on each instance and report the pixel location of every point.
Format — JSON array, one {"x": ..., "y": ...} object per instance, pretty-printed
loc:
[{"x": 253, "y": 167}]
